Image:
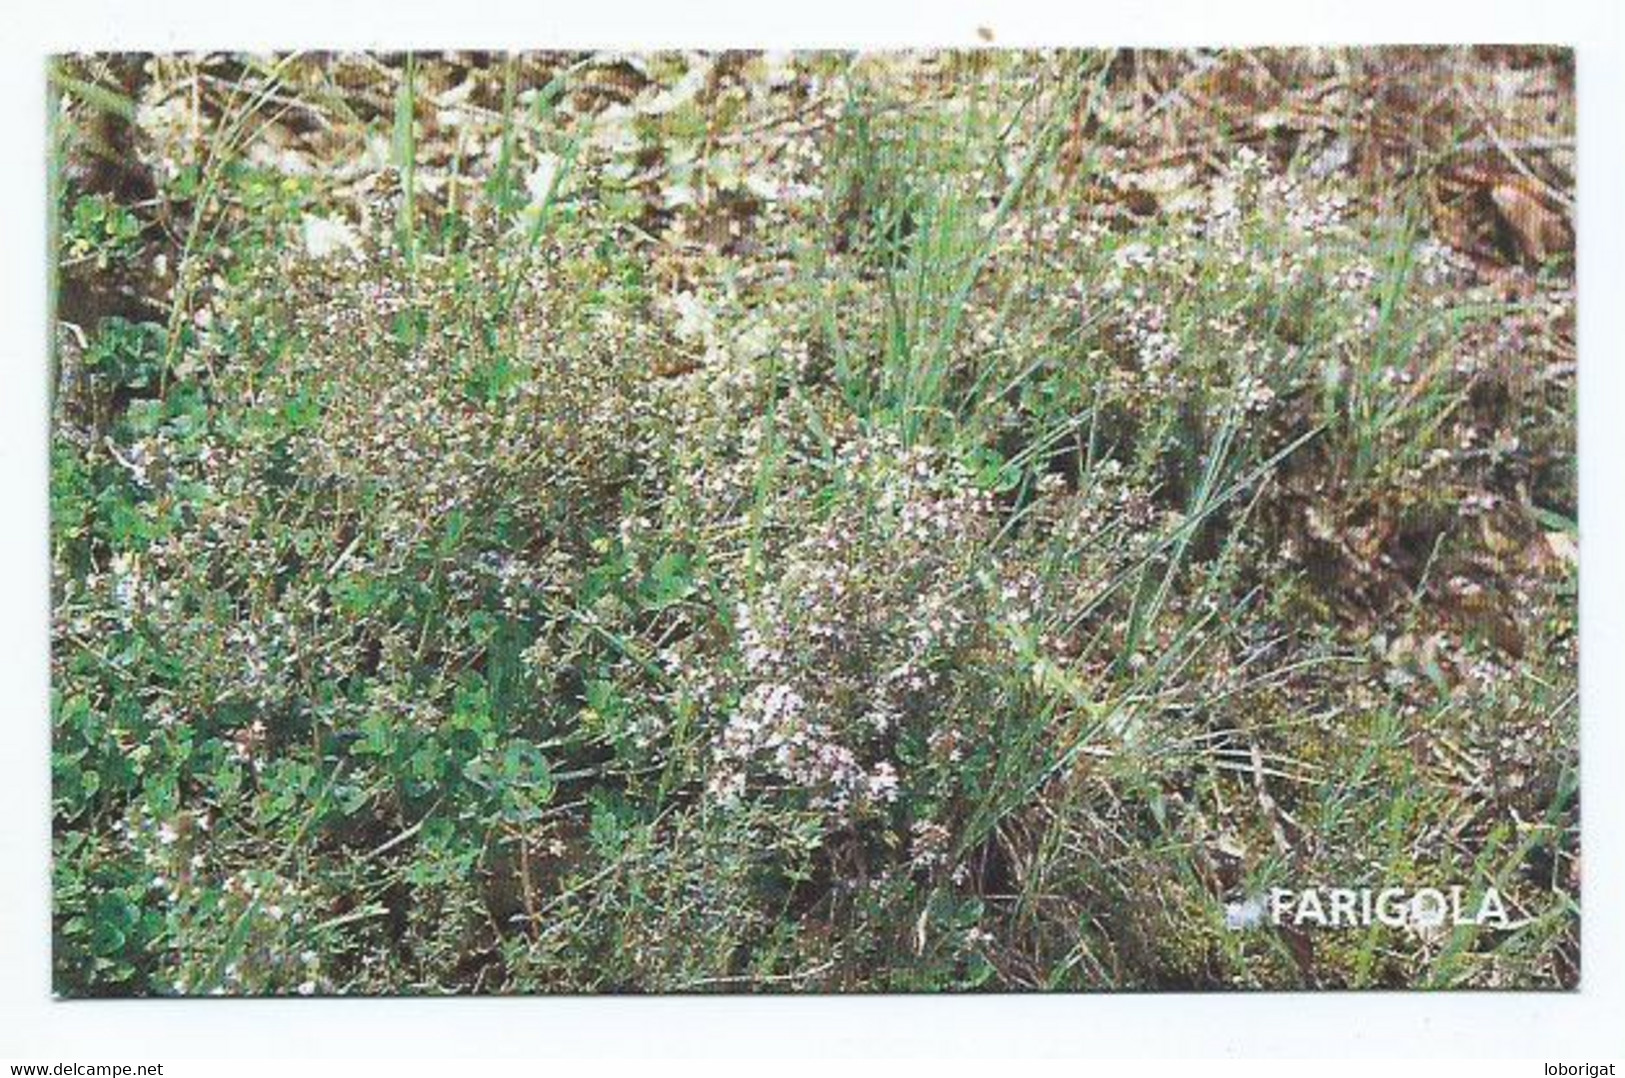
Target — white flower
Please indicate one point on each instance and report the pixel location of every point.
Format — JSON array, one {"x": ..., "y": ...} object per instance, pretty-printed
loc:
[
  {"x": 883, "y": 782},
  {"x": 325, "y": 236},
  {"x": 727, "y": 786},
  {"x": 540, "y": 182}
]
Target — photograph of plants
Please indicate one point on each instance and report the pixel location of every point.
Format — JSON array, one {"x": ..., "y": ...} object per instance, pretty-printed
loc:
[{"x": 989, "y": 520}]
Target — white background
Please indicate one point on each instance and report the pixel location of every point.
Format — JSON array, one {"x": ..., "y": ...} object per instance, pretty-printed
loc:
[{"x": 1553, "y": 1026}]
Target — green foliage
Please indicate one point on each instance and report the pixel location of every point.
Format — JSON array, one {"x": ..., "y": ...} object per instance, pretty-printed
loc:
[
  {"x": 944, "y": 585},
  {"x": 101, "y": 231}
]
